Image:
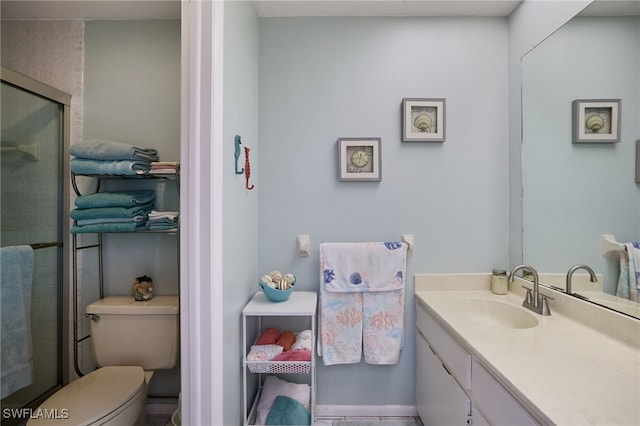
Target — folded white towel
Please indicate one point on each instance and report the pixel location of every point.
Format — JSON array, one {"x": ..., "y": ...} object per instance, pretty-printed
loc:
[
  {"x": 303, "y": 341},
  {"x": 264, "y": 352},
  {"x": 155, "y": 214}
]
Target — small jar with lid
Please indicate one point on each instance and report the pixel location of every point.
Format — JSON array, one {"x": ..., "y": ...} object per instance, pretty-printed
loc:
[{"x": 499, "y": 281}]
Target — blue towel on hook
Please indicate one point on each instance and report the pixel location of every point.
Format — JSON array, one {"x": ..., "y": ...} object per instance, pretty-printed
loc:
[
  {"x": 85, "y": 166},
  {"x": 111, "y": 150},
  {"x": 115, "y": 199},
  {"x": 16, "y": 280}
]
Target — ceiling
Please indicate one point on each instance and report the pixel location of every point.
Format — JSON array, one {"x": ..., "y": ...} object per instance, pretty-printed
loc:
[
  {"x": 168, "y": 9},
  {"x": 165, "y": 9},
  {"x": 275, "y": 8}
]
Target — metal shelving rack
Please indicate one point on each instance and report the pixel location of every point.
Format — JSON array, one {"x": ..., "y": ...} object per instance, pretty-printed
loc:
[{"x": 98, "y": 245}]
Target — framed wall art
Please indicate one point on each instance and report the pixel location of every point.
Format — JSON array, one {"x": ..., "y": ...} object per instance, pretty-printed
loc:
[
  {"x": 596, "y": 120},
  {"x": 359, "y": 159},
  {"x": 423, "y": 120}
]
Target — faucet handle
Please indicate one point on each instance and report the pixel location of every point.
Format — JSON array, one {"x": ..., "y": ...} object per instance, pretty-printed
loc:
[
  {"x": 545, "y": 304},
  {"x": 529, "y": 296}
]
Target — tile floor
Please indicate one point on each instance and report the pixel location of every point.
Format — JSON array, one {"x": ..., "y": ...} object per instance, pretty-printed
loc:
[{"x": 163, "y": 420}]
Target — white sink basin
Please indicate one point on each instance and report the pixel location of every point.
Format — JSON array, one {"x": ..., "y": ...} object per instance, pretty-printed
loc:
[{"x": 495, "y": 314}]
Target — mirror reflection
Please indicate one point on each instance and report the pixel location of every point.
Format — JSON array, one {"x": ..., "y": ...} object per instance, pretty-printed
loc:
[{"x": 574, "y": 193}]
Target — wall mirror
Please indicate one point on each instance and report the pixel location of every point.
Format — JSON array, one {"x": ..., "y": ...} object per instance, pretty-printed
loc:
[{"x": 573, "y": 194}]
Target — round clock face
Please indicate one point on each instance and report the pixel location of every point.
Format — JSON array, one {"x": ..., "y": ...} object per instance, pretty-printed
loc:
[{"x": 360, "y": 158}]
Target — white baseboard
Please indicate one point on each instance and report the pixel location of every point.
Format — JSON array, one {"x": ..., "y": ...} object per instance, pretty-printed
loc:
[
  {"x": 161, "y": 406},
  {"x": 366, "y": 411}
]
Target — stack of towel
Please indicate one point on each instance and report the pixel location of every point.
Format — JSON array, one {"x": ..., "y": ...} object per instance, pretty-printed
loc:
[
  {"x": 116, "y": 211},
  {"x": 110, "y": 158},
  {"x": 272, "y": 345},
  {"x": 164, "y": 167},
  {"x": 162, "y": 220}
]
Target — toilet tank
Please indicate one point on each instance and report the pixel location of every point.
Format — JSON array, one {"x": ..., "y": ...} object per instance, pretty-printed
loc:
[{"x": 127, "y": 332}]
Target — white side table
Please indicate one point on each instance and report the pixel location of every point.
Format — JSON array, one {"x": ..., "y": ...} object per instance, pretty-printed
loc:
[{"x": 299, "y": 304}]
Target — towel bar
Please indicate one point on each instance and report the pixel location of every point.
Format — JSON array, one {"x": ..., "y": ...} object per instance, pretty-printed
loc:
[
  {"x": 304, "y": 244},
  {"x": 610, "y": 247}
]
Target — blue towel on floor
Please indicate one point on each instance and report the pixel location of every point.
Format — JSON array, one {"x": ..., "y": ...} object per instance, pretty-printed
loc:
[
  {"x": 85, "y": 166},
  {"x": 288, "y": 411},
  {"x": 16, "y": 280},
  {"x": 115, "y": 199},
  {"x": 111, "y": 150}
]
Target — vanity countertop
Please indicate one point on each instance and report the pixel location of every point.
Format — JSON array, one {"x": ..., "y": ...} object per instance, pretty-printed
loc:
[{"x": 563, "y": 371}]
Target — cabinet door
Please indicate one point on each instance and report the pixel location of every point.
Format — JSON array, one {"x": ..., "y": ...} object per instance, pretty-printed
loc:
[
  {"x": 439, "y": 398},
  {"x": 499, "y": 407}
]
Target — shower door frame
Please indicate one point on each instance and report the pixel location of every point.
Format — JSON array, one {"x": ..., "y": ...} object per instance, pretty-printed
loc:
[{"x": 43, "y": 90}]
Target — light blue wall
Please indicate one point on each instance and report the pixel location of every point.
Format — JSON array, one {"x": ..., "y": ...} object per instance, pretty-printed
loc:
[
  {"x": 574, "y": 193},
  {"x": 240, "y": 206},
  {"x": 325, "y": 78},
  {"x": 132, "y": 88}
]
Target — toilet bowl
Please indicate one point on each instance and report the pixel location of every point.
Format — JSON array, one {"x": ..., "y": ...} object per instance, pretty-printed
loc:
[
  {"x": 108, "y": 395},
  {"x": 130, "y": 339}
]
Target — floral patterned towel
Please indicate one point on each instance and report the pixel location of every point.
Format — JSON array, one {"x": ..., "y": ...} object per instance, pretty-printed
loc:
[
  {"x": 361, "y": 302},
  {"x": 629, "y": 279}
]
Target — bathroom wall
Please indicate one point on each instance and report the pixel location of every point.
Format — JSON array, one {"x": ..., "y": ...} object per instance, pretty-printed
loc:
[
  {"x": 240, "y": 205},
  {"x": 132, "y": 95},
  {"x": 325, "y": 78}
]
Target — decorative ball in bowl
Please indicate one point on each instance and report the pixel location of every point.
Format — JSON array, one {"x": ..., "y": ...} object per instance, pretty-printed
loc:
[{"x": 277, "y": 287}]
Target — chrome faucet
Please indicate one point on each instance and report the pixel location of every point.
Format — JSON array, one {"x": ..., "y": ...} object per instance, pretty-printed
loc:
[
  {"x": 573, "y": 269},
  {"x": 535, "y": 301}
]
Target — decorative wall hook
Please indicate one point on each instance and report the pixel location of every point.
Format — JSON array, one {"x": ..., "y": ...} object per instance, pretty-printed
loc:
[
  {"x": 236, "y": 153},
  {"x": 247, "y": 169}
]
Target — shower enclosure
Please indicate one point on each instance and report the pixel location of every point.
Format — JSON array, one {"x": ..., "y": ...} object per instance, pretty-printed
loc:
[{"x": 34, "y": 132}]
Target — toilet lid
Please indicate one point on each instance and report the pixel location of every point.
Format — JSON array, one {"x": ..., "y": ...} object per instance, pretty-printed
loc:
[{"x": 93, "y": 396}]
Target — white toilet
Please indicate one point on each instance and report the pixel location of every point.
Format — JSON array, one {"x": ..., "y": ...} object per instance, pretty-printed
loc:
[{"x": 130, "y": 340}]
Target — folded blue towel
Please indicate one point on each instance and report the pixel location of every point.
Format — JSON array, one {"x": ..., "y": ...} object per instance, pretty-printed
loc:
[
  {"x": 110, "y": 150},
  {"x": 85, "y": 166},
  {"x": 161, "y": 226},
  {"x": 108, "y": 227},
  {"x": 115, "y": 199},
  {"x": 288, "y": 411},
  {"x": 16, "y": 279},
  {"x": 138, "y": 219},
  {"x": 111, "y": 212}
]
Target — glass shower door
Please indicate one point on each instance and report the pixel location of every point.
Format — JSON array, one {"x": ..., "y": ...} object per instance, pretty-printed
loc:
[{"x": 31, "y": 213}]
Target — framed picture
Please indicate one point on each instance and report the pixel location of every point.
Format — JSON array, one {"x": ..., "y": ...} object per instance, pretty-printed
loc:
[
  {"x": 596, "y": 120},
  {"x": 423, "y": 120},
  {"x": 359, "y": 159}
]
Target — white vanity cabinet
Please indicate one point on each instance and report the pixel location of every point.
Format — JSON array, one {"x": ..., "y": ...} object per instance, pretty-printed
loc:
[
  {"x": 495, "y": 401},
  {"x": 439, "y": 398},
  {"x": 453, "y": 388}
]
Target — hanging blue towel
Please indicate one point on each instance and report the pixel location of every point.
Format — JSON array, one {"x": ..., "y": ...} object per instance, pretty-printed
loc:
[
  {"x": 111, "y": 150},
  {"x": 16, "y": 279}
]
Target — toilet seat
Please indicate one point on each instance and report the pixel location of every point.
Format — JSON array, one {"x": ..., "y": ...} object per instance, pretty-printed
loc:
[{"x": 94, "y": 398}]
